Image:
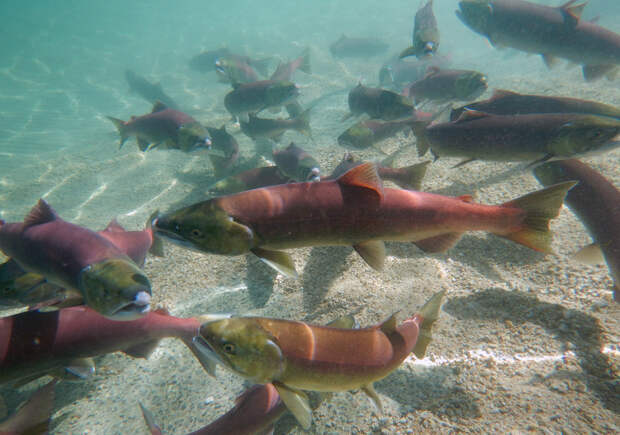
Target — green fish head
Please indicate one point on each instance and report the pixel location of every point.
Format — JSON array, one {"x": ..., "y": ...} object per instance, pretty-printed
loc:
[
  {"x": 243, "y": 346},
  {"x": 280, "y": 93},
  {"x": 470, "y": 85},
  {"x": 475, "y": 14},
  {"x": 358, "y": 135},
  {"x": 116, "y": 288},
  {"x": 309, "y": 170},
  {"x": 586, "y": 135},
  {"x": 205, "y": 227},
  {"x": 193, "y": 137}
]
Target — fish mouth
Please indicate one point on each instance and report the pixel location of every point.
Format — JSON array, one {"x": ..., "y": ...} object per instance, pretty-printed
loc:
[
  {"x": 139, "y": 307},
  {"x": 171, "y": 236}
]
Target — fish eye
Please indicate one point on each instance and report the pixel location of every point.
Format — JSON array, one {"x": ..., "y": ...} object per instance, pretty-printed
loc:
[
  {"x": 229, "y": 348},
  {"x": 196, "y": 232}
]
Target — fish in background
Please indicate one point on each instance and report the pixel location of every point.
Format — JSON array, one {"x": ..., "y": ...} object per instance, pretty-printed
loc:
[
  {"x": 357, "y": 47},
  {"x": 77, "y": 258},
  {"x": 553, "y": 32},
  {"x": 297, "y": 164},
  {"x": 596, "y": 202},
  {"x": 233, "y": 70},
  {"x": 447, "y": 84},
  {"x": 206, "y": 61},
  {"x": 408, "y": 177},
  {"x": 353, "y": 210},
  {"x": 504, "y": 102},
  {"x": 396, "y": 73},
  {"x": 295, "y": 356},
  {"x": 367, "y": 133},
  {"x": 151, "y": 92},
  {"x": 285, "y": 71},
  {"x": 62, "y": 343},
  {"x": 256, "y": 411},
  {"x": 250, "y": 179},
  {"x": 274, "y": 129},
  {"x": 174, "y": 129},
  {"x": 224, "y": 143},
  {"x": 378, "y": 103},
  {"x": 425, "y": 33},
  {"x": 509, "y": 138},
  {"x": 251, "y": 98},
  {"x": 34, "y": 416}
]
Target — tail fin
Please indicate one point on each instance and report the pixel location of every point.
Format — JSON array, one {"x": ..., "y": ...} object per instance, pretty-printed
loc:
[
  {"x": 122, "y": 130},
  {"x": 429, "y": 313},
  {"x": 419, "y": 130},
  {"x": 541, "y": 206},
  {"x": 411, "y": 176},
  {"x": 149, "y": 420},
  {"x": 303, "y": 123},
  {"x": 157, "y": 246},
  {"x": 34, "y": 416},
  {"x": 305, "y": 64}
]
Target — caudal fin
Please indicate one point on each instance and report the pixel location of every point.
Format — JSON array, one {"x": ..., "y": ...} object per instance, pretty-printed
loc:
[
  {"x": 34, "y": 416},
  {"x": 122, "y": 129},
  {"x": 541, "y": 206},
  {"x": 305, "y": 63},
  {"x": 154, "y": 429},
  {"x": 411, "y": 177},
  {"x": 429, "y": 313},
  {"x": 303, "y": 123},
  {"x": 419, "y": 130}
]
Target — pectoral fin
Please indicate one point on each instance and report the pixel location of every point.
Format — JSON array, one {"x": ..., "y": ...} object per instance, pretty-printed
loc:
[
  {"x": 373, "y": 253},
  {"x": 142, "y": 350},
  {"x": 143, "y": 144},
  {"x": 280, "y": 261},
  {"x": 369, "y": 389},
  {"x": 79, "y": 368},
  {"x": 550, "y": 60},
  {"x": 297, "y": 402},
  {"x": 590, "y": 254},
  {"x": 464, "y": 162}
]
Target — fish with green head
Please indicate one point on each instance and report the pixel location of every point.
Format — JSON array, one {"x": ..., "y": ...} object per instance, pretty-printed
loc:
[
  {"x": 447, "y": 84},
  {"x": 270, "y": 128},
  {"x": 533, "y": 137},
  {"x": 166, "y": 126},
  {"x": 234, "y": 70},
  {"x": 369, "y": 132},
  {"x": 378, "y": 103},
  {"x": 425, "y": 33},
  {"x": 77, "y": 258},
  {"x": 254, "y": 97},
  {"x": 297, "y": 164},
  {"x": 151, "y": 92},
  {"x": 296, "y": 356},
  {"x": 347, "y": 46},
  {"x": 250, "y": 179}
]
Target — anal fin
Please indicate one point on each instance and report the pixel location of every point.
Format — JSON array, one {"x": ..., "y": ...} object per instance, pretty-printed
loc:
[
  {"x": 439, "y": 243},
  {"x": 142, "y": 350},
  {"x": 590, "y": 254},
  {"x": 373, "y": 253},
  {"x": 369, "y": 389}
]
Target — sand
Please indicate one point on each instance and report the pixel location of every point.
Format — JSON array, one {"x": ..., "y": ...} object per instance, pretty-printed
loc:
[{"x": 525, "y": 343}]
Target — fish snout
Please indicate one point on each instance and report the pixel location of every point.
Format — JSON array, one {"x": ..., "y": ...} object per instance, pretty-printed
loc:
[{"x": 314, "y": 175}]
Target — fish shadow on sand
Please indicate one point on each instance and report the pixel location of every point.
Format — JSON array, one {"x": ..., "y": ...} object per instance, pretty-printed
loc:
[
  {"x": 429, "y": 389},
  {"x": 324, "y": 265},
  {"x": 458, "y": 188},
  {"x": 565, "y": 325},
  {"x": 259, "y": 280}
]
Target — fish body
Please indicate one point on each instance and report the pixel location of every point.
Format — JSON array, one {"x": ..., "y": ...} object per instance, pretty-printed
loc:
[
  {"x": 285, "y": 71},
  {"x": 34, "y": 343},
  {"x": 532, "y": 137},
  {"x": 378, "y": 103},
  {"x": 166, "y": 126},
  {"x": 34, "y": 416},
  {"x": 448, "y": 84},
  {"x": 253, "y": 97},
  {"x": 297, "y": 164},
  {"x": 147, "y": 90},
  {"x": 549, "y": 31},
  {"x": 296, "y": 356},
  {"x": 224, "y": 143},
  {"x": 396, "y": 73},
  {"x": 511, "y": 103},
  {"x": 409, "y": 177},
  {"x": 367, "y": 133},
  {"x": 425, "y": 33},
  {"x": 353, "y": 210},
  {"x": 77, "y": 258},
  {"x": 235, "y": 70},
  {"x": 357, "y": 47},
  {"x": 250, "y": 179},
  {"x": 270, "y": 128},
  {"x": 596, "y": 202}
]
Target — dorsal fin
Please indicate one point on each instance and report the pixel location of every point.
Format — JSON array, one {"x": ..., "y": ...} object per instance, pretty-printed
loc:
[
  {"x": 365, "y": 176},
  {"x": 162, "y": 310},
  {"x": 469, "y": 115},
  {"x": 502, "y": 93},
  {"x": 431, "y": 70},
  {"x": 40, "y": 214},
  {"x": 114, "y": 227},
  {"x": 389, "y": 326},
  {"x": 572, "y": 13},
  {"x": 466, "y": 198},
  {"x": 158, "y": 107}
]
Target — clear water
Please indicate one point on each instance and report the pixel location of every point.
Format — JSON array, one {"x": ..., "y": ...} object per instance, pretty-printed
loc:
[{"x": 62, "y": 71}]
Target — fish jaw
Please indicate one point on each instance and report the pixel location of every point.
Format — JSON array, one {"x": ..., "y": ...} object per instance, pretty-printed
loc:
[{"x": 116, "y": 288}]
